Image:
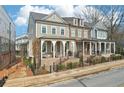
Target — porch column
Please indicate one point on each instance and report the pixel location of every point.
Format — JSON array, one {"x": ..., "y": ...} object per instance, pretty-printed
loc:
[
  {"x": 110, "y": 47},
  {"x": 46, "y": 48},
  {"x": 105, "y": 48},
  {"x": 96, "y": 48},
  {"x": 73, "y": 48},
  {"x": 42, "y": 41},
  {"x": 67, "y": 49},
  {"x": 114, "y": 47},
  {"x": 90, "y": 48},
  {"x": 99, "y": 47},
  {"x": 54, "y": 50},
  {"x": 63, "y": 42},
  {"x": 60, "y": 50},
  {"x": 51, "y": 45},
  {"x": 83, "y": 47}
]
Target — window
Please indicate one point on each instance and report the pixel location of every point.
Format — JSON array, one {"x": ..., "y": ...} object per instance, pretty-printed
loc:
[
  {"x": 74, "y": 21},
  {"x": 95, "y": 33},
  {"x": 53, "y": 30},
  {"x": 62, "y": 31},
  {"x": 85, "y": 33},
  {"x": 79, "y": 33},
  {"x": 44, "y": 47},
  {"x": 73, "y": 33},
  {"x": 44, "y": 29},
  {"x": 81, "y": 22},
  {"x": 102, "y": 35}
]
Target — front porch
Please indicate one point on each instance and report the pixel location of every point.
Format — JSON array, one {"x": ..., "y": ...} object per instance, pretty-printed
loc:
[{"x": 52, "y": 49}]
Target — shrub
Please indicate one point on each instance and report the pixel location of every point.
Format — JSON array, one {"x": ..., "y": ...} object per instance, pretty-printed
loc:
[
  {"x": 69, "y": 65},
  {"x": 103, "y": 59},
  {"x": 81, "y": 60},
  {"x": 116, "y": 56},
  {"x": 107, "y": 59},
  {"x": 26, "y": 61},
  {"x": 74, "y": 65},
  {"x": 112, "y": 57},
  {"x": 90, "y": 60},
  {"x": 61, "y": 67},
  {"x": 96, "y": 60},
  {"x": 122, "y": 53}
]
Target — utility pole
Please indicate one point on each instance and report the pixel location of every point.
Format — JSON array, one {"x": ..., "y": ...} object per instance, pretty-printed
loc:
[{"x": 10, "y": 42}]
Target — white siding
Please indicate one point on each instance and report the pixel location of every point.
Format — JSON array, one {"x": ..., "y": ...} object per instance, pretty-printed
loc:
[{"x": 85, "y": 33}]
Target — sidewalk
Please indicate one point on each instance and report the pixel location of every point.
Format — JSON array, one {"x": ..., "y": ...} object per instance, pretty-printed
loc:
[{"x": 64, "y": 75}]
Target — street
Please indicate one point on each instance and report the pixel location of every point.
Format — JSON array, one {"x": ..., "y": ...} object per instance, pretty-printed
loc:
[{"x": 111, "y": 78}]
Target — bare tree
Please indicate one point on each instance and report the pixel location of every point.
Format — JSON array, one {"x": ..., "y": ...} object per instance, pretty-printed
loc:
[
  {"x": 114, "y": 17},
  {"x": 110, "y": 16},
  {"x": 36, "y": 53},
  {"x": 90, "y": 14}
]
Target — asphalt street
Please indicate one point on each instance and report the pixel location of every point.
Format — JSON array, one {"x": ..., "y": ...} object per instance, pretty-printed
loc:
[{"x": 111, "y": 78}]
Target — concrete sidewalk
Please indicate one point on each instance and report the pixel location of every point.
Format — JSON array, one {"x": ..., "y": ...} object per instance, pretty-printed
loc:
[{"x": 64, "y": 75}]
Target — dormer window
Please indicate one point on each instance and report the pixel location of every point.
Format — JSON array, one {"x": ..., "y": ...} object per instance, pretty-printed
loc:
[
  {"x": 74, "y": 21},
  {"x": 81, "y": 22}
]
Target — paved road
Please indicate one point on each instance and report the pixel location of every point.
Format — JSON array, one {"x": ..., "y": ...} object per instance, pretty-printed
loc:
[{"x": 112, "y": 78}]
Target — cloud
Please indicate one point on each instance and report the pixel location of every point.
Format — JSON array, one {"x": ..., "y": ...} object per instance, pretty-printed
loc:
[
  {"x": 65, "y": 11},
  {"x": 21, "y": 21},
  {"x": 23, "y": 14},
  {"x": 62, "y": 10}
]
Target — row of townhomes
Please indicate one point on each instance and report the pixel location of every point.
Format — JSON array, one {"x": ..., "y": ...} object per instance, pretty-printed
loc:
[
  {"x": 7, "y": 39},
  {"x": 21, "y": 45},
  {"x": 63, "y": 36}
]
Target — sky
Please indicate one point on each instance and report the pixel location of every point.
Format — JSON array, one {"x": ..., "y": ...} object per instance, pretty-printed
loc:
[{"x": 20, "y": 13}]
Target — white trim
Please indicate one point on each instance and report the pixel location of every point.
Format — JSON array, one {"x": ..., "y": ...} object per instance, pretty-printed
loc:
[
  {"x": 64, "y": 31},
  {"x": 54, "y": 13},
  {"x": 46, "y": 29},
  {"x": 55, "y": 31}
]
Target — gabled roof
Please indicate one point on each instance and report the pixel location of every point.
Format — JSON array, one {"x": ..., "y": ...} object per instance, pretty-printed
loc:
[
  {"x": 38, "y": 16},
  {"x": 41, "y": 16},
  {"x": 56, "y": 15},
  {"x": 88, "y": 25},
  {"x": 22, "y": 36},
  {"x": 68, "y": 19},
  {"x": 99, "y": 25}
]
